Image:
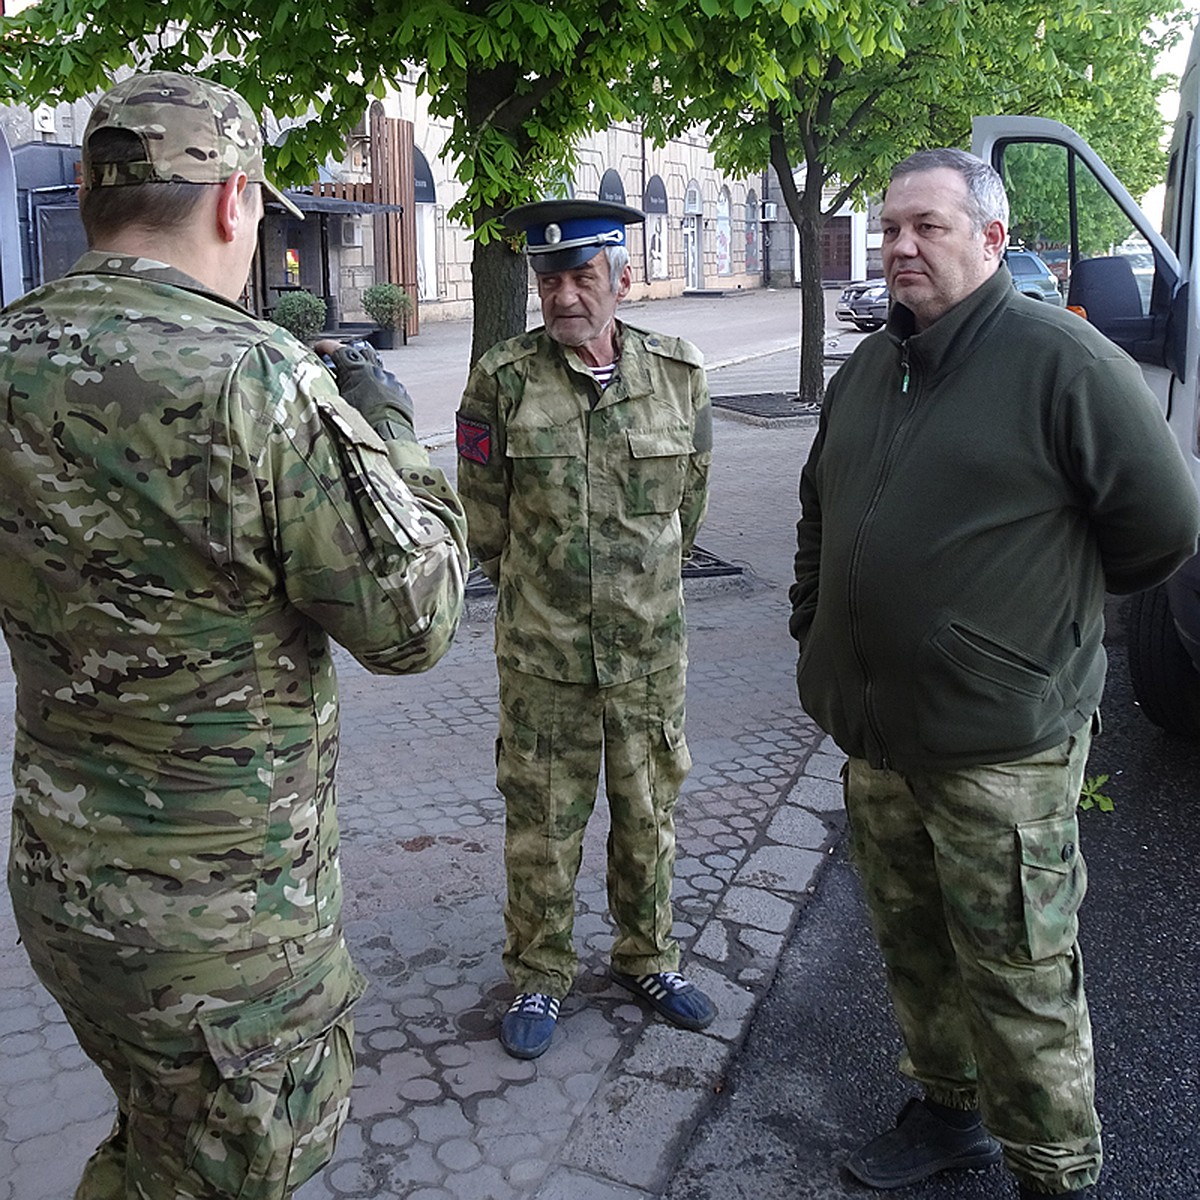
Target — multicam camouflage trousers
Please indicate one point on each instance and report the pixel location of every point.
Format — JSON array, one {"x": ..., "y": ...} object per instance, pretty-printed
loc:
[
  {"x": 552, "y": 738},
  {"x": 232, "y": 1070},
  {"x": 973, "y": 879}
]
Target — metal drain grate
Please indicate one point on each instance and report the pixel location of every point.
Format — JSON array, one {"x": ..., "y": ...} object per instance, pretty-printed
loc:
[
  {"x": 766, "y": 405},
  {"x": 700, "y": 564}
]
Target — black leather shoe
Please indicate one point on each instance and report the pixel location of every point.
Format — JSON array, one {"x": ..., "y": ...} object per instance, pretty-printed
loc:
[{"x": 920, "y": 1146}]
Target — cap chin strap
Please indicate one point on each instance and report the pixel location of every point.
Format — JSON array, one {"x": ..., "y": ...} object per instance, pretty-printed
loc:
[{"x": 616, "y": 238}]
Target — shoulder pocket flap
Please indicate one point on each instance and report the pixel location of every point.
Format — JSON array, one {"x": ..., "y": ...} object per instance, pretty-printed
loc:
[
  {"x": 244, "y": 1038},
  {"x": 387, "y": 510},
  {"x": 1050, "y": 844},
  {"x": 350, "y": 424},
  {"x": 659, "y": 443},
  {"x": 548, "y": 442}
]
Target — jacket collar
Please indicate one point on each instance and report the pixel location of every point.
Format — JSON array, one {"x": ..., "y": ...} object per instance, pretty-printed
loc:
[
  {"x": 633, "y": 376},
  {"x": 100, "y": 262},
  {"x": 955, "y": 334}
]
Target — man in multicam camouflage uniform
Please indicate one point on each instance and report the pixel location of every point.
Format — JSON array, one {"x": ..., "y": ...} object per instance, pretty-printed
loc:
[
  {"x": 584, "y": 451},
  {"x": 984, "y": 469},
  {"x": 190, "y": 512}
]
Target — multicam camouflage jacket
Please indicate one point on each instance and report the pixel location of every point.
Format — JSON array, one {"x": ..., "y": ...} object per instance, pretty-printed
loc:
[
  {"x": 582, "y": 503},
  {"x": 188, "y": 511}
]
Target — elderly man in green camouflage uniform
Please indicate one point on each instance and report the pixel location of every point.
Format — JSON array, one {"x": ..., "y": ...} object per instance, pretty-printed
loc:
[
  {"x": 584, "y": 450},
  {"x": 191, "y": 511}
]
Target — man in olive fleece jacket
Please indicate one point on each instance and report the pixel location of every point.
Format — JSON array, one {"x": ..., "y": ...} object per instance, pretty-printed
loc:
[{"x": 985, "y": 469}]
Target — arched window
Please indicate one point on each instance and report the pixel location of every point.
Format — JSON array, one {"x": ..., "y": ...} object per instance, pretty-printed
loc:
[
  {"x": 724, "y": 234},
  {"x": 425, "y": 198},
  {"x": 753, "y": 254},
  {"x": 654, "y": 205},
  {"x": 693, "y": 233}
]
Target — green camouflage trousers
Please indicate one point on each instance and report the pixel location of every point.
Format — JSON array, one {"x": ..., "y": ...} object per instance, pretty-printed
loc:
[
  {"x": 232, "y": 1071},
  {"x": 552, "y": 738},
  {"x": 974, "y": 879}
]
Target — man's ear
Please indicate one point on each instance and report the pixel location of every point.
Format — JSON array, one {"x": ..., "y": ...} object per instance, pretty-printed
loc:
[
  {"x": 625, "y": 282},
  {"x": 995, "y": 239},
  {"x": 231, "y": 205}
]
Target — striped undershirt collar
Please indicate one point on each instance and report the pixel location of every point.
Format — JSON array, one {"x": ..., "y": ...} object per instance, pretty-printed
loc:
[{"x": 604, "y": 375}]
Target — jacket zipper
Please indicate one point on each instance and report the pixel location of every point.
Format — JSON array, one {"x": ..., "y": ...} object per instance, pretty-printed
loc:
[{"x": 860, "y": 537}]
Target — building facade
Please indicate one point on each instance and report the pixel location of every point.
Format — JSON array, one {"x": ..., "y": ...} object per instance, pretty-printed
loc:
[{"x": 381, "y": 215}]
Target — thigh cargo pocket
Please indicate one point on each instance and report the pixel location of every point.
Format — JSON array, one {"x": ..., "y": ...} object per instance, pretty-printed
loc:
[
  {"x": 284, "y": 1064},
  {"x": 677, "y": 753},
  {"x": 1053, "y": 881}
]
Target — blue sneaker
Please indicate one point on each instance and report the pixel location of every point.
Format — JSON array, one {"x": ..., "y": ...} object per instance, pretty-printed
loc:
[
  {"x": 670, "y": 995},
  {"x": 528, "y": 1026}
]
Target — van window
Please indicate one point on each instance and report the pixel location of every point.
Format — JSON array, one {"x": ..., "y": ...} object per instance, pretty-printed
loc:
[
  {"x": 1177, "y": 228},
  {"x": 1063, "y": 212}
]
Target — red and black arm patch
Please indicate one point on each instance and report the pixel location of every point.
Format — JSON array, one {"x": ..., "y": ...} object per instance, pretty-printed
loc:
[{"x": 474, "y": 440}]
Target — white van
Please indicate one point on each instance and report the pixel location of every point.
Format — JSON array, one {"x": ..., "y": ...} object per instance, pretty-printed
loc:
[{"x": 1142, "y": 289}]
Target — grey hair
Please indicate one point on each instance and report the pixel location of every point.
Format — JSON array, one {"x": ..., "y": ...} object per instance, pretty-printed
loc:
[
  {"x": 987, "y": 200},
  {"x": 618, "y": 260}
]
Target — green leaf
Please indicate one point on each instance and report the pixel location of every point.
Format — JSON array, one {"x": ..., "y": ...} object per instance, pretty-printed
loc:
[{"x": 1091, "y": 796}]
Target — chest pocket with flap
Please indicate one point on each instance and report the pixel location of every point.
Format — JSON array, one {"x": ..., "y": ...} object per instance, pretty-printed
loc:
[{"x": 655, "y": 469}]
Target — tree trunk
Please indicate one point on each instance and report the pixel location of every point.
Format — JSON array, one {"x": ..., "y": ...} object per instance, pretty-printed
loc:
[
  {"x": 499, "y": 276},
  {"x": 500, "y": 287},
  {"x": 804, "y": 207},
  {"x": 811, "y": 385}
]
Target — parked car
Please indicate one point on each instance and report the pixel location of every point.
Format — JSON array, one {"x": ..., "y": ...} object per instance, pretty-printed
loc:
[
  {"x": 1137, "y": 286},
  {"x": 1031, "y": 276},
  {"x": 864, "y": 304}
]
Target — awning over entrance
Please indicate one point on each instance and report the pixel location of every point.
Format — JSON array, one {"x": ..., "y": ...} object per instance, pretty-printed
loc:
[
  {"x": 307, "y": 202},
  {"x": 423, "y": 190},
  {"x": 611, "y": 187},
  {"x": 654, "y": 198}
]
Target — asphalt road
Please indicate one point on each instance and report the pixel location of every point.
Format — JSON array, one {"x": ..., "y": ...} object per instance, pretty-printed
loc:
[{"x": 815, "y": 1077}]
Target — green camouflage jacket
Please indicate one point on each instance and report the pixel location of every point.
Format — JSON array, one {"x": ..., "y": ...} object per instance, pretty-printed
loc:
[
  {"x": 188, "y": 510},
  {"x": 582, "y": 503}
]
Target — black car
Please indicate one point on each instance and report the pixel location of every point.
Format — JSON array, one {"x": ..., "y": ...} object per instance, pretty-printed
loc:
[
  {"x": 864, "y": 304},
  {"x": 1031, "y": 276}
]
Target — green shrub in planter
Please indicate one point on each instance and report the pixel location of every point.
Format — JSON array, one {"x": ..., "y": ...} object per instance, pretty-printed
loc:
[
  {"x": 301, "y": 313},
  {"x": 387, "y": 304}
]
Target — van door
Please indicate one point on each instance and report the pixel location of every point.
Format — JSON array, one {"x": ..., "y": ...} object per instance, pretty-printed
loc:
[{"x": 1140, "y": 287}]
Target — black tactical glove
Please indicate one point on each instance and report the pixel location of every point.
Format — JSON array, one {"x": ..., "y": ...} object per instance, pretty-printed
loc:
[{"x": 366, "y": 384}]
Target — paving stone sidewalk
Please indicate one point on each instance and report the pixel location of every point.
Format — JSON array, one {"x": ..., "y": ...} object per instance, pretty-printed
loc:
[{"x": 438, "y": 1110}]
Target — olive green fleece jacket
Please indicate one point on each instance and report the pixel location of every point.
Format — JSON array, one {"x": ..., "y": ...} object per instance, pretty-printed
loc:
[{"x": 972, "y": 491}]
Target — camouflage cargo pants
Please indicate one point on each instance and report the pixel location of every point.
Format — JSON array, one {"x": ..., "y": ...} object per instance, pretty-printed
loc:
[
  {"x": 552, "y": 738},
  {"x": 973, "y": 879},
  {"x": 232, "y": 1071}
]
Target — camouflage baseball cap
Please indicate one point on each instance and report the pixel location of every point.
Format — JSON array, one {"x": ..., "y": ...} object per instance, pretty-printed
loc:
[{"x": 193, "y": 131}]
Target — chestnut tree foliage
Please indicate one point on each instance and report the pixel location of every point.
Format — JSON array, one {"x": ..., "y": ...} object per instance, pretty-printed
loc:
[
  {"x": 519, "y": 82},
  {"x": 833, "y": 93},
  {"x": 839, "y": 88}
]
